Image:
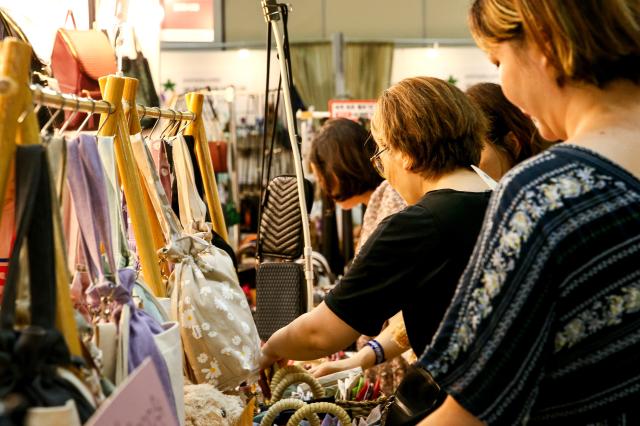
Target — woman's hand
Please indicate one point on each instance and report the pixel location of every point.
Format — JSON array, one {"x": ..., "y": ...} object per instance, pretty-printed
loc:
[
  {"x": 267, "y": 360},
  {"x": 331, "y": 367}
]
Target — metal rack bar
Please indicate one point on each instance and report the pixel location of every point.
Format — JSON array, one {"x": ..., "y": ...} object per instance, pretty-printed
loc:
[{"x": 54, "y": 99}]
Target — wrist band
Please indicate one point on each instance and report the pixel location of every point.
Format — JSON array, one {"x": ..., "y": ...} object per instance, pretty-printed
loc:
[{"x": 377, "y": 349}]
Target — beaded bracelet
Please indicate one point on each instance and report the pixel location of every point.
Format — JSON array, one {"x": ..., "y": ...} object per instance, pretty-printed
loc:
[{"x": 377, "y": 349}]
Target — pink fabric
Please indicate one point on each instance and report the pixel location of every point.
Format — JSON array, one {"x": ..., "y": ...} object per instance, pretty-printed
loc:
[
  {"x": 7, "y": 230},
  {"x": 160, "y": 160}
]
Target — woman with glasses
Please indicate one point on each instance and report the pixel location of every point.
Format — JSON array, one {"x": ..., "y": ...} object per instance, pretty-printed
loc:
[
  {"x": 341, "y": 160},
  {"x": 511, "y": 138},
  {"x": 428, "y": 134}
]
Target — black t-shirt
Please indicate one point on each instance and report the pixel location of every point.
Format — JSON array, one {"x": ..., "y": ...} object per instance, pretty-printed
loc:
[{"x": 411, "y": 263}]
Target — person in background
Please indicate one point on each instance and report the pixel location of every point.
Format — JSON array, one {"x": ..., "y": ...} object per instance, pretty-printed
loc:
[
  {"x": 339, "y": 158},
  {"x": 428, "y": 134},
  {"x": 512, "y": 138},
  {"x": 543, "y": 328}
]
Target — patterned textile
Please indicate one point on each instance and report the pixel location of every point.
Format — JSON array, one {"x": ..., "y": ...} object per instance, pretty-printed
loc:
[
  {"x": 384, "y": 201},
  {"x": 545, "y": 324}
]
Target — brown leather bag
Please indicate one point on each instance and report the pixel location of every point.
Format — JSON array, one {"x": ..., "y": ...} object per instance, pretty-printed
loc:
[
  {"x": 218, "y": 150},
  {"x": 79, "y": 59}
]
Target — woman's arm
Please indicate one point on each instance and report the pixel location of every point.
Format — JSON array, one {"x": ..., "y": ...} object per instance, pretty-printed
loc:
[
  {"x": 313, "y": 335},
  {"x": 366, "y": 358},
  {"x": 451, "y": 413}
]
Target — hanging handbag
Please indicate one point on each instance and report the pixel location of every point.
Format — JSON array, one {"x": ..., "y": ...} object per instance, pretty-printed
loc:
[
  {"x": 109, "y": 293},
  {"x": 30, "y": 359},
  {"x": 218, "y": 150},
  {"x": 139, "y": 69},
  {"x": 78, "y": 60},
  {"x": 281, "y": 288},
  {"x": 209, "y": 293},
  {"x": 220, "y": 341}
]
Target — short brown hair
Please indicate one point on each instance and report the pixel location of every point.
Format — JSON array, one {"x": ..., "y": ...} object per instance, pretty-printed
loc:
[
  {"x": 591, "y": 41},
  {"x": 432, "y": 122},
  {"x": 339, "y": 150},
  {"x": 505, "y": 118}
]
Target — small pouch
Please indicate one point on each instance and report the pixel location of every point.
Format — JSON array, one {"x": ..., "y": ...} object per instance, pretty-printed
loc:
[
  {"x": 417, "y": 396},
  {"x": 281, "y": 296}
]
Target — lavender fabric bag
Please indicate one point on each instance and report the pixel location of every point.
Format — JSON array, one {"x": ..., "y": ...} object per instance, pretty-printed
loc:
[{"x": 87, "y": 183}]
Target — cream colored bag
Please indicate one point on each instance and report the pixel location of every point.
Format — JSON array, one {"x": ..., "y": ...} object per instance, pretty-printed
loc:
[
  {"x": 219, "y": 336},
  {"x": 115, "y": 350}
]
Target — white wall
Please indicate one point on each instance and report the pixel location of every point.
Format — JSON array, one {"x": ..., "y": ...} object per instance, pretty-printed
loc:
[
  {"x": 246, "y": 69},
  {"x": 468, "y": 65}
]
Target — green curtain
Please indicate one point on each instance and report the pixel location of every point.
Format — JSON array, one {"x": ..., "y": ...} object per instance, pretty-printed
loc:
[
  {"x": 313, "y": 76},
  {"x": 367, "y": 69}
]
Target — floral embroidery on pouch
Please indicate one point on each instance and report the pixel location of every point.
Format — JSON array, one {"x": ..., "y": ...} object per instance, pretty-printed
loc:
[{"x": 212, "y": 372}]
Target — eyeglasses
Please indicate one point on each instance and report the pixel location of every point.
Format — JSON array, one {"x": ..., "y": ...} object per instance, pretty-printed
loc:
[{"x": 377, "y": 161}]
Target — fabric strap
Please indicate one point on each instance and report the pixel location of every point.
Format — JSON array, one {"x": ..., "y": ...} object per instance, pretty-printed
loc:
[
  {"x": 168, "y": 221},
  {"x": 34, "y": 217},
  {"x": 88, "y": 189},
  {"x": 193, "y": 210},
  {"x": 106, "y": 149}
]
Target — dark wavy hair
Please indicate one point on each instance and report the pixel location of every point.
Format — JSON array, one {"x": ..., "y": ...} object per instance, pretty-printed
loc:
[{"x": 341, "y": 159}]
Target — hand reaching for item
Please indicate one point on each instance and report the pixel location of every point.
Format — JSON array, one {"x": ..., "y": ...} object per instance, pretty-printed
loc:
[{"x": 331, "y": 367}]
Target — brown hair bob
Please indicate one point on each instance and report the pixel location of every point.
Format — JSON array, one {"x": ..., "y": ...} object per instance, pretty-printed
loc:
[
  {"x": 432, "y": 122},
  {"x": 341, "y": 160}
]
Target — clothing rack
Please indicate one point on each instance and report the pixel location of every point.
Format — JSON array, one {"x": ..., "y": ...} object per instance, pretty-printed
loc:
[{"x": 18, "y": 125}]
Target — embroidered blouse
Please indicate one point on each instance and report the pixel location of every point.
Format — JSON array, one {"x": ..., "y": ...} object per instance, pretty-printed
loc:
[{"x": 545, "y": 324}]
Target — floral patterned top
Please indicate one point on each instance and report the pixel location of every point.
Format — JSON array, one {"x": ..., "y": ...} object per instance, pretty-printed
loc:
[
  {"x": 545, "y": 324},
  {"x": 384, "y": 202}
]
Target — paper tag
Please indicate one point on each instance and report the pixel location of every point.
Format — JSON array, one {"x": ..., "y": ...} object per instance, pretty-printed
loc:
[{"x": 139, "y": 400}]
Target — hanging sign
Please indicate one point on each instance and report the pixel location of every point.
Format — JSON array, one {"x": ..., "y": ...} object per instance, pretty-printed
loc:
[
  {"x": 188, "y": 21},
  {"x": 352, "y": 109}
]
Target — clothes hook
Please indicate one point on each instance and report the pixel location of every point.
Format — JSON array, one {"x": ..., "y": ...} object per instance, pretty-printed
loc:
[
  {"x": 71, "y": 117},
  {"x": 48, "y": 124},
  {"x": 86, "y": 119},
  {"x": 108, "y": 114},
  {"x": 170, "y": 125},
  {"x": 184, "y": 126},
  {"x": 154, "y": 124}
]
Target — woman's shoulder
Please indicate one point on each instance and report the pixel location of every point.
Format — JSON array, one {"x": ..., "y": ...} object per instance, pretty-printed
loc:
[
  {"x": 566, "y": 170},
  {"x": 560, "y": 180}
]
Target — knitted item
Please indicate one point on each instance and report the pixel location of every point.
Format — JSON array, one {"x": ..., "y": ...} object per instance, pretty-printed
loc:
[{"x": 205, "y": 405}]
